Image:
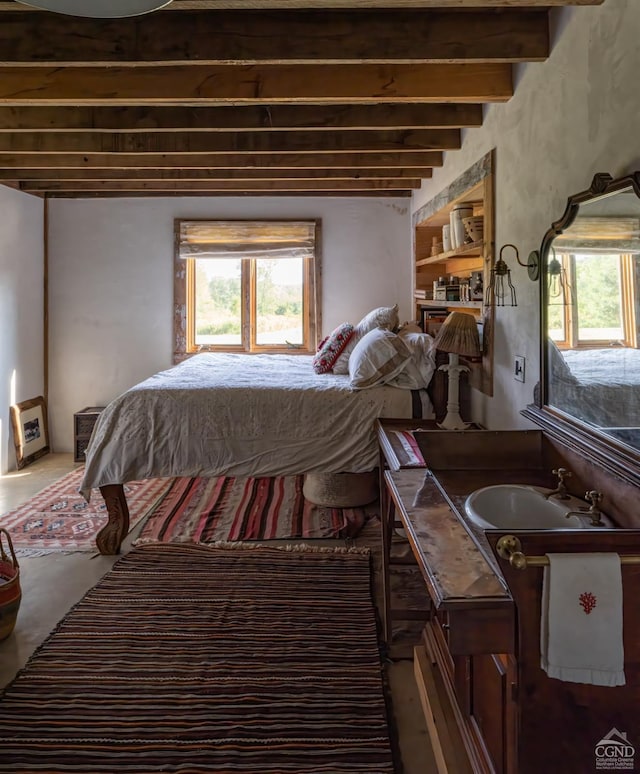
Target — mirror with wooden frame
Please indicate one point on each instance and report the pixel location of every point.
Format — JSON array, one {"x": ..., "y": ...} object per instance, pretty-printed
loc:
[{"x": 589, "y": 394}]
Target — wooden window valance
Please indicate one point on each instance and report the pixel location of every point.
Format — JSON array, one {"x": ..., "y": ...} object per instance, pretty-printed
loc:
[
  {"x": 601, "y": 234},
  {"x": 246, "y": 239}
]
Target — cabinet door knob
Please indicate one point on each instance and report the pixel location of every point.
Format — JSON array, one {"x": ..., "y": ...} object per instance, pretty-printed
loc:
[{"x": 445, "y": 627}]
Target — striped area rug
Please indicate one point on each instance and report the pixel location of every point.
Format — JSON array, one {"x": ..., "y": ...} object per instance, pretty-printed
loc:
[
  {"x": 188, "y": 658},
  {"x": 206, "y": 510}
]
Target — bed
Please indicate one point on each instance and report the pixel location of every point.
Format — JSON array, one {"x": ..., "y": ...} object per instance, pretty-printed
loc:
[
  {"x": 238, "y": 415},
  {"x": 600, "y": 387}
]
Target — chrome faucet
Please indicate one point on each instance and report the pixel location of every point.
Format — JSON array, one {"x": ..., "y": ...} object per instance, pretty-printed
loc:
[
  {"x": 593, "y": 511},
  {"x": 560, "y": 492}
]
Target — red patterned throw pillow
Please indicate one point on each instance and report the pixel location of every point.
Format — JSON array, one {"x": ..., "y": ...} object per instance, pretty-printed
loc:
[{"x": 330, "y": 348}]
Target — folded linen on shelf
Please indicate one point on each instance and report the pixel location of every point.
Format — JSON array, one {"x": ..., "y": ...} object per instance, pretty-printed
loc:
[{"x": 581, "y": 624}]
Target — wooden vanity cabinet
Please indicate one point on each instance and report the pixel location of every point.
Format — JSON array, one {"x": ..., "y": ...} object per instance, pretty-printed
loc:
[
  {"x": 466, "y": 658},
  {"x": 489, "y": 706},
  {"x": 561, "y": 723},
  {"x": 480, "y": 688}
]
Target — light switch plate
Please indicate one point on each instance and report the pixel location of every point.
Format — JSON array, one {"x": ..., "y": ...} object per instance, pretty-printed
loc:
[{"x": 518, "y": 368}]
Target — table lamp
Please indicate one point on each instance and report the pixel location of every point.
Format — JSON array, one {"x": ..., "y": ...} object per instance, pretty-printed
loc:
[{"x": 457, "y": 336}]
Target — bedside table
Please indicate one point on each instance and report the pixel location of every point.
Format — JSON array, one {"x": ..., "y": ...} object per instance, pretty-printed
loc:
[{"x": 83, "y": 424}]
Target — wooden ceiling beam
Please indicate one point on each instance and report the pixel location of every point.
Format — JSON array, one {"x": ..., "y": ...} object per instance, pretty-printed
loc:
[
  {"x": 238, "y": 119},
  {"x": 256, "y": 84},
  {"x": 127, "y": 161},
  {"x": 191, "y": 5},
  {"x": 400, "y": 194},
  {"x": 222, "y": 185},
  {"x": 352, "y": 173},
  {"x": 230, "y": 142},
  {"x": 252, "y": 36},
  {"x": 217, "y": 5}
]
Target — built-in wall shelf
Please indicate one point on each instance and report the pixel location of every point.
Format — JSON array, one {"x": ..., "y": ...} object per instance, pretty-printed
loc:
[
  {"x": 471, "y": 250},
  {"x": 450, "y": 304},
  {"x": 463, "y": 265}
]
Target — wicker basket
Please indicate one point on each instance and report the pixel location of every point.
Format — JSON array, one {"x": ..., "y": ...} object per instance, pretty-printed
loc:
[
  {"x": 10, "y": 593},
  {"x": 341, "y": 490}
]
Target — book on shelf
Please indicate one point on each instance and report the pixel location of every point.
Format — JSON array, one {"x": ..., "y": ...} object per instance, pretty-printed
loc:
[
  {"x": 419, "y": 293},
  {"x": 431, "y": 318}
]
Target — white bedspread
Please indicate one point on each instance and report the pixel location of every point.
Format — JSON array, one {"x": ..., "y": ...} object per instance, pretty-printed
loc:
[{"x": 239, "y": 415}]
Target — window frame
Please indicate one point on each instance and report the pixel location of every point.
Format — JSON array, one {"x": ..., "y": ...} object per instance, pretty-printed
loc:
[
  {"x": 184, "y": 300},
  {"x": 627, "y": 305}
]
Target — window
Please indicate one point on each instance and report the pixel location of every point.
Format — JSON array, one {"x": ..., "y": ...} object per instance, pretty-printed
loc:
[
  {"x": 600, "y": 311},
  {"x": 246, "y": 286}
]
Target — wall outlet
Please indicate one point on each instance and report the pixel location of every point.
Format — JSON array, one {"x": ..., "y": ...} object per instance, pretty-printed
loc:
[{"x": 518, "y": 368}]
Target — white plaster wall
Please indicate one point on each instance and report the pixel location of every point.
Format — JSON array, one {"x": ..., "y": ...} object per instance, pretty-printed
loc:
[
  {"x": 574, "y": 115},
  {"x": 21, "y": 309},
  {"x": 111, "y": 282}
]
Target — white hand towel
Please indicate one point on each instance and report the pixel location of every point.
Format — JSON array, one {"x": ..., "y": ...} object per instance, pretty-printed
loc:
[{"x": 581, "y": 624}]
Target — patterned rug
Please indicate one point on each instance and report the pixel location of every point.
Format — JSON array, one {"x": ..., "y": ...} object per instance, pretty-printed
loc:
[
  {"x": 59, "y": 519},
  {"x": 201, "y": 659},
  {"x": 206, "y": 510}
]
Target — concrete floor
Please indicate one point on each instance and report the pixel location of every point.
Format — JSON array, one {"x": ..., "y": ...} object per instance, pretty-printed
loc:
[{"x": 52, "y": 584}]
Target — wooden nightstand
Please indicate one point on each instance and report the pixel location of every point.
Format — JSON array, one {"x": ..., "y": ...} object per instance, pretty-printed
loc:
[{"x": 83, "y": 423}]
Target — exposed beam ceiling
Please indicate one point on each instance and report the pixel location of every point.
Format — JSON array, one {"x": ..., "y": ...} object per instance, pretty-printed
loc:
[
  {"x": 258, "y": 97},
  {"x": 238, "y": 119},
  {"x": 375, "y": 36}
]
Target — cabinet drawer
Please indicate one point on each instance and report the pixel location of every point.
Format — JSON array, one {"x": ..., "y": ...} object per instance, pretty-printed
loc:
[
  {"x": 440, "y": 634},
  {"x": 480, "y": 630},
  {"x": 83, "y": 423},
  {"x": 456, "y": 669},
  {"x": 493, "y": 707}
]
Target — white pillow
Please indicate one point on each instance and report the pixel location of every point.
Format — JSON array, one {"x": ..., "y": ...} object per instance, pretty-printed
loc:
[
  {"x": 377, "y": 357},
  {"x": 420, "y": 369},
  {"x": 381, "y": 317}
]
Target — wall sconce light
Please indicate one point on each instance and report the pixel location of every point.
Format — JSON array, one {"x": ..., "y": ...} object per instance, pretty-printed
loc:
[
  {"x": 500, "y": 290},
  {"x": 98, "y": 9},
  {"x": 558, "y": 287},
  {"x": 559, "y": 291}
]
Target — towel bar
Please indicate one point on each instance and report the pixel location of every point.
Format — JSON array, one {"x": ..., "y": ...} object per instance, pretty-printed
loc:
[{"x": 509, "y": 548}]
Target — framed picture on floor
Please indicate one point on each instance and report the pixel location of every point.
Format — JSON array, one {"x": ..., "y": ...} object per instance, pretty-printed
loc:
[{"x": 30, "y": 431}]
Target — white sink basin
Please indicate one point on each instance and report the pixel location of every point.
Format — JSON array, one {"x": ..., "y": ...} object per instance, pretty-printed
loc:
[{"x": 519, "y": 506}]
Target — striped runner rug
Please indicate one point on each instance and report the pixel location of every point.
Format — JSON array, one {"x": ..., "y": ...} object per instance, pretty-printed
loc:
[
  {"x": 188, "y": 658},
  {"x": 206, "y": 510}
]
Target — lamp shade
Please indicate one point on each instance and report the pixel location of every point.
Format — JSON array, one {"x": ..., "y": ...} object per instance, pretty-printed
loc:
[
  {"x": 459, "y": 335},
  {"x": 98, "y": 9}
]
